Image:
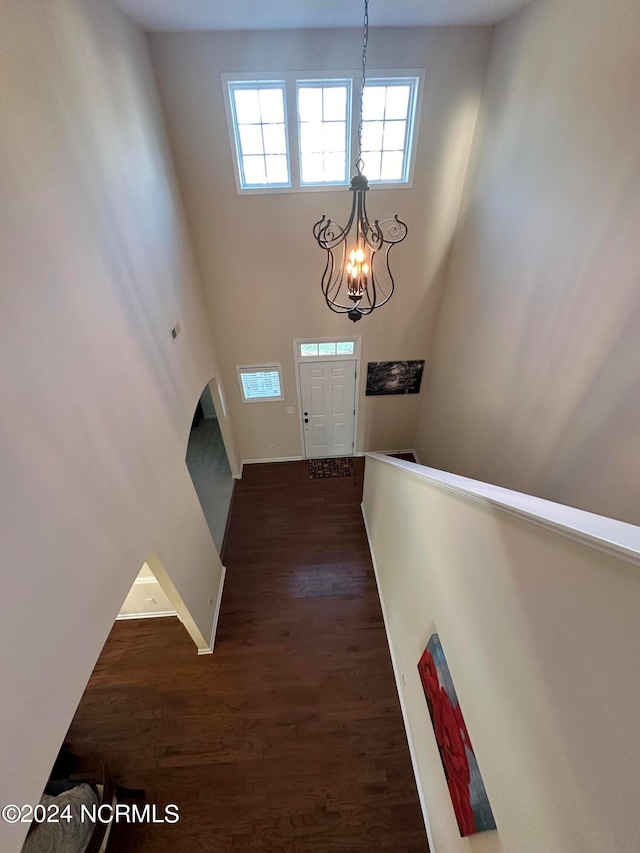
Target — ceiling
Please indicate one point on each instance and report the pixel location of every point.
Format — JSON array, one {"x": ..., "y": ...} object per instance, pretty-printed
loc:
[{"x": 311, "y": 14}]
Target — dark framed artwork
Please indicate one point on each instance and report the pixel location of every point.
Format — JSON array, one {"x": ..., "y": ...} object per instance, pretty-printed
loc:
[
  {"x": 466, "y": 788},
  {"x": 393, "y": 377}
]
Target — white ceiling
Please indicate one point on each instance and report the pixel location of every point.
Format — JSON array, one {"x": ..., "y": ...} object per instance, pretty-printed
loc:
[{"x": 312, "y": 14}]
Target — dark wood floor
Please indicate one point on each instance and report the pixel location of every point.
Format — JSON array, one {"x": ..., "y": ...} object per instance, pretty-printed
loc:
[{"x": 289, "y": 738}]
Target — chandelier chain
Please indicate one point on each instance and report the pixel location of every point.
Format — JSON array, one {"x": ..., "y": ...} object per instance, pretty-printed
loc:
[{"x": 365, "y": 41}]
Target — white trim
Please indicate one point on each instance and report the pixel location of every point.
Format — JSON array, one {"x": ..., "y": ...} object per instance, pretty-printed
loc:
[
  {"x": 303, "y": 359},
  {"x": 145, "y": 579},
  {"x": 122, "y": 616},
  {"x": 216, "y": 612},
  {"x": 614, "y": 537},
  {"x": 272, "y": 459},
  {"x": 398, "y": 678}
]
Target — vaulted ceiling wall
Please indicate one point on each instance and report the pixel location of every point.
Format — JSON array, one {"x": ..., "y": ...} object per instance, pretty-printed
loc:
[
  {"x": 97, "y": 400},
  {"x": 535, "y": 382}
]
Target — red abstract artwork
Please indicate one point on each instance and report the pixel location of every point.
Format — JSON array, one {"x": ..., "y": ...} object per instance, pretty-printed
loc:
[{"x": 468, "y": 794}]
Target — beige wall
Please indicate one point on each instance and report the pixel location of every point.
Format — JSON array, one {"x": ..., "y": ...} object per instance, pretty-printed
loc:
[
  {"x": 535, "y": 382},
  {"x": 96, "y": 399},
  {"x": 541, "y": 636},
  {"x": 256, "y": 253}
]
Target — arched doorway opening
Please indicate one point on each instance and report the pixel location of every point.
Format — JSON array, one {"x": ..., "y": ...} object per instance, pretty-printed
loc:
[{"x": 209, "y": 465}]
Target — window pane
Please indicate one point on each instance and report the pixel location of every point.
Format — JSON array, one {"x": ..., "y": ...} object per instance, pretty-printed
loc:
[
  {"x": 394, "y": 132},
  {"x": 323, "y": 133},
  {"x": 271, "y": 106},
  {"x": 334, "y": 167},
  {"x": 334, "y": 103},
  {"x": 386, "y": 130},
  {"x": 250, "y": 138},
  {"x": 308, "y": 349},
  {"x": 311, "y": 137},
  {"x": 373, "y": 102},
  {"x": 274, "y": 139},
  {"x": 312, "y": 167},
  {"x": 372, "y": 135},
  {"x": 247, "y": 106},
  {"x": 327, "y": 349},
  {"x": 260, "y": 384},
  {"x": 310, "y": 104},
  {"x": 260, "y": 129},
  {"x": 397, "y": 105},
  {"x": 392, "y": 162},
  {"x": 254, "y": 170},
  {"x": 345, "y": 348},
  {"x": 334, "y": 136},
  {"x": 277, "y": 172}
]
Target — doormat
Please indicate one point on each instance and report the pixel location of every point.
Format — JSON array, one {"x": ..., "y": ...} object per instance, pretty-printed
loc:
[{"x": 338, "y": 466}]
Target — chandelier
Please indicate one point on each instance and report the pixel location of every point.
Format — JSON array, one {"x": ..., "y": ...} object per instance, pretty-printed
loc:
[{"x": 357, "y": 277}]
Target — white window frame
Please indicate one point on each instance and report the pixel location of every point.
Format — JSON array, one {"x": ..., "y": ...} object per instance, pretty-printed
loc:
[
  {"x": 339, "y": 356},
  {"x": 290, "y": 80},
  {"x": 280, "y": 85},
  {"x": 318, "y": 83},
  {"x": 415, "y": 101},
  {"x": 260, "y": 368}
]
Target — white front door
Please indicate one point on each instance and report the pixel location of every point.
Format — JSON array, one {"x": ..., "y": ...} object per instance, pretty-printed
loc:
[{"x": 328, "y": 393}]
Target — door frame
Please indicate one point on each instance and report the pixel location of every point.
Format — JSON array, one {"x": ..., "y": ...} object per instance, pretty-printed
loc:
[{"x": 304, "y": 359}]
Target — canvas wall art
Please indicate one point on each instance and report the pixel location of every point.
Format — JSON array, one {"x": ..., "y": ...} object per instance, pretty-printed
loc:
[
  {"x": 468, "y": 794},
  {"x": 393, "y": 377}
]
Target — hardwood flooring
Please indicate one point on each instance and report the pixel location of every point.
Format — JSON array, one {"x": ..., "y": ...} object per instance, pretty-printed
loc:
[{"x": 289, "y": 738}]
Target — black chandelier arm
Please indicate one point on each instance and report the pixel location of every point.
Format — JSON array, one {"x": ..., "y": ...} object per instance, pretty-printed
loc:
[
  {"x": 374, "y": 237},
  {"x": 393, "y": 230},
  {"x": 329, "y": 233}
]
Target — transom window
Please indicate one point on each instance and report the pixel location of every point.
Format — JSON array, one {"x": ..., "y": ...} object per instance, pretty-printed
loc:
[
  {"x": 325, "y": 348},
  {"x": 291, "y": 134}
]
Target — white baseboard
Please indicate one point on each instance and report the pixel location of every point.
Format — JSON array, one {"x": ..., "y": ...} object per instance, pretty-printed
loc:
[
  {"x": 216, "y": 615},
  {"x": 122, "y": 616},
  {"x": 397, "y": 675},
  {"x": 273, "y": 459}
]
